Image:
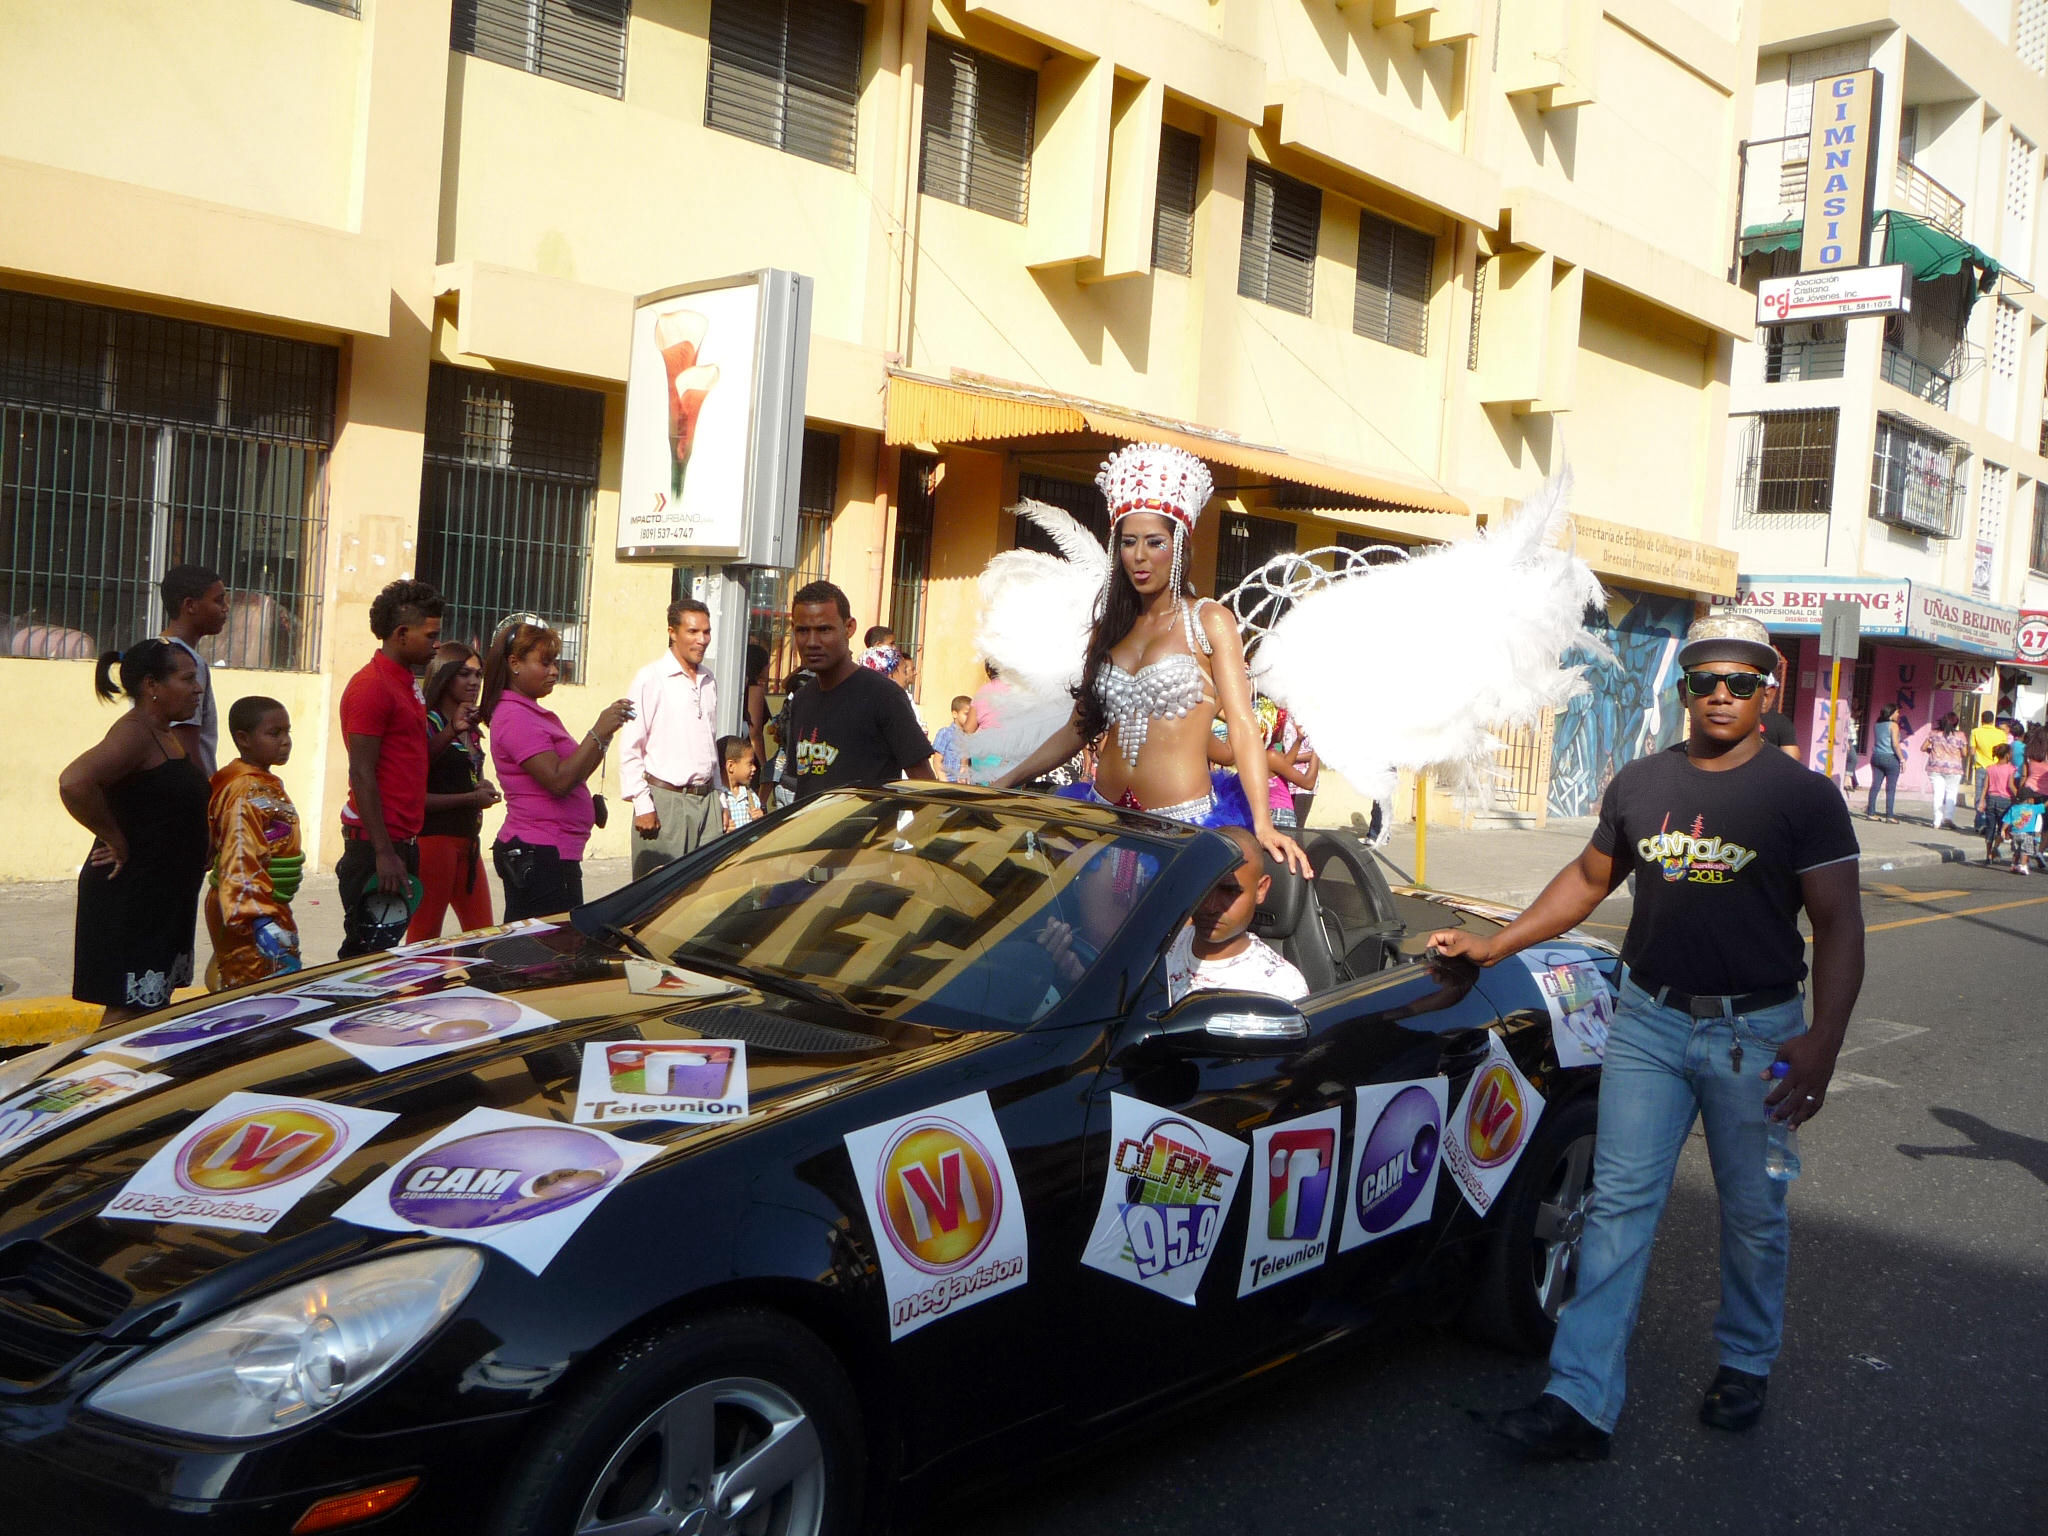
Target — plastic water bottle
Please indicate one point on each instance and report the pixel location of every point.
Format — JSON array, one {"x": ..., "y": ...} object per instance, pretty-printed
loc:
[{"x": 1781, "y": 1137}]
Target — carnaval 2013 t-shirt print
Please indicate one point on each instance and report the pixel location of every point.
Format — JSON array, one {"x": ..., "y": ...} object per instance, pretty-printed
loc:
[
  {"x": 944, "y": 1207},
  {"x": 1164, "y": 1199},
  {"x": 1294, "y": 1189},
  {"x": 1395, "y": 1154},
  {"x": 245, "y": 1162},
  {"x": 1717, "y": 858},
  {"x": 1491, "y": 1127},
  {"x": 864, "y": 731},
  {"x": 516, "y": 1183}
]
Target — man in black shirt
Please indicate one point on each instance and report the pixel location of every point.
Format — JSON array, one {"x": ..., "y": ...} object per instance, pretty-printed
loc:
[
  {"x": 1777, "y": 727},
  {"x": 1727, "y": 840},
  {"x": 848, "y": 725}
]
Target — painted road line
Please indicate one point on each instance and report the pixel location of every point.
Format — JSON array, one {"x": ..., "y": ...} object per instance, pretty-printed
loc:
[
  {"x": 1900, "y": 893},
  {"x": 1942, "y": 917}
]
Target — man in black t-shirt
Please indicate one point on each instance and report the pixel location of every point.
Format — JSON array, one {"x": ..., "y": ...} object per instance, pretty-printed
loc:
[
  {"x": 1777, "y": 727},
  {"x": 1727, "y": 840},
  {"x": 848, "y": 725}
]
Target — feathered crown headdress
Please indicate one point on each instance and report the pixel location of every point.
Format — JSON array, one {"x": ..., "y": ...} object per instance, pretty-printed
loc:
[{"x": 1152, "y": 477}]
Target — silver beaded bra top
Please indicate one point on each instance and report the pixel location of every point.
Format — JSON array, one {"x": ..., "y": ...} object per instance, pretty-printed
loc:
[{"x": 1165, "y": 689}]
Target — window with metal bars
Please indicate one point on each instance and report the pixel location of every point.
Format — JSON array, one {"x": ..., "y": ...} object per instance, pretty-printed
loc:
[
  {"x": 786, "y": 73},
  {"x": 1246, "y": 544},
  {"x": 1394, "y": 264},
  {"x": 1082, "y": 499},
  {"x": 2037, "y": 555},
  {"x": 769, "y": 591},
  {"x": 912, "y": 552},
  {"x": 130, "y": 443},
  {"x": 1916, "y": 480},
  {"x": 979, "y": 115},
  {"x": 1277, "y": 257},
  {"x": 1173, "y": 207},
  {"x": 578, "y": 42},
  {"x": 506, "y": 495},
  {"x": 1789, "y": 465}
]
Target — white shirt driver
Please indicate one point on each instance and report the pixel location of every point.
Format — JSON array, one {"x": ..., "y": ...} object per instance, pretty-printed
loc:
[{"x": 1256, "y": 968}]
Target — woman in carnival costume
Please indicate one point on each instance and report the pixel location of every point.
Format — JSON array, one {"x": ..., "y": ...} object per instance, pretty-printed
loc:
[{"x": 1162, "y": 664}]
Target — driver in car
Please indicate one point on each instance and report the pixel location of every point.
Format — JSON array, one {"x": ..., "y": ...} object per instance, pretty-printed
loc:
[{"x": 1217, "y": 951}]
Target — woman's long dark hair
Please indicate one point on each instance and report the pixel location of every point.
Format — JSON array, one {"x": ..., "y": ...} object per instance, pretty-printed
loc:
[
  {"x": 448, "y": 660},
  {"x": 150, "y": 660},
  {"x": 1115, "y": 612},
  {"x": 514, "y": 641}
]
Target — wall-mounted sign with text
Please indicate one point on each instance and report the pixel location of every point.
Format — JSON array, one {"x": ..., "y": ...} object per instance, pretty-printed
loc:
[
  {"x": 1841, "y": 172},
  {"x": 1791, "y": 605},
  {"x": 1830, "y": 294},
  {"x": 1962, "y": 623},
  {"x": 2030, "y": 643}
]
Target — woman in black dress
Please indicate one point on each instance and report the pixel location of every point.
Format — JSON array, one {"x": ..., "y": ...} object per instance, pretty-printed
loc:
[{"x": 144, "y": 801}]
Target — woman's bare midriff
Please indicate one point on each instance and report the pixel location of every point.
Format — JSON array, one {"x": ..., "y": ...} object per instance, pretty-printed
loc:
[{"x": 1173, "y": 765}]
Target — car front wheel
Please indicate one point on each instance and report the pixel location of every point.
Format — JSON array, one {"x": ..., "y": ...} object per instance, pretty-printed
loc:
[
  {"x": 1532, "y": 1263},
  {"x": 732, "y": 1424}
]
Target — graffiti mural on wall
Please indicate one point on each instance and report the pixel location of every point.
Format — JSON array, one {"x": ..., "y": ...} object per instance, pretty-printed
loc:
[{"x": 1631, "y": 707}]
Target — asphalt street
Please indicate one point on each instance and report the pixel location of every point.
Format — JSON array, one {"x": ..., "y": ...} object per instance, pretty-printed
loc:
[{"x": 1913, "y": 1389}]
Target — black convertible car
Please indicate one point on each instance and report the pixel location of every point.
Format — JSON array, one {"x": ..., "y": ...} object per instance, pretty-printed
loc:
[{"x": 858, "y": 1156}]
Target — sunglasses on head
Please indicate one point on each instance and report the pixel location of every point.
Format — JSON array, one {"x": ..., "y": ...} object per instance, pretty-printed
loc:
[{"x": 1740, "y": 685}]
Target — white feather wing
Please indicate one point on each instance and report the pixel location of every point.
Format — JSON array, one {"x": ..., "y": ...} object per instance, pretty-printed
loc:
[{"x": 1413, "y": 665}]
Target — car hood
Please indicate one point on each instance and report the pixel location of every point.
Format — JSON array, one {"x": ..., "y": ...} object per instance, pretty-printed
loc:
[{"x": 59, "y": 1253}]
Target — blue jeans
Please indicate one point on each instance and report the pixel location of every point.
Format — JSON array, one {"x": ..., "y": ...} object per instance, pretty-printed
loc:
[
  {"x": 1662, "y": 1068},
  {"x": 1884, "y": 769}
]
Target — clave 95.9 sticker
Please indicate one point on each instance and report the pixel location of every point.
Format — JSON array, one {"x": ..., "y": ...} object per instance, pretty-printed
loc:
[
  {"x": 1578, "y": 999},
  {"x": 409, "y": 1029},
  {"x": 1394, "y": 1159},
  {"x": 692, "y": 1080},
  {"x": 1294, "y": 1181},
  {"x": 246, "y": 1162},
  {"x": 82, "y": 1089},
  {"x": 942, "y": 1200},
  {"x": 510, "y": 1182},
  {"x": 1168, "y": 1190},
  {"x": 1491, "y": 1127}
]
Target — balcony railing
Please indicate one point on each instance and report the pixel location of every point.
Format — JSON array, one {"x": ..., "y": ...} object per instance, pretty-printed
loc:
[
  {"x": 1914, "y": 377},
  {"x": 1922, "y": 196},
  {"x": 1787, "y": 360}
]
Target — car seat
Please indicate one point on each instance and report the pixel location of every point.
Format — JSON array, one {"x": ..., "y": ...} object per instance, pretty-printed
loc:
[{"x": 1288, "y": 920}]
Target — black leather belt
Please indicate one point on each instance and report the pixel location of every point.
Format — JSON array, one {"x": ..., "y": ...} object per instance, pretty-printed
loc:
[{"x": 1704, "y": 1005}]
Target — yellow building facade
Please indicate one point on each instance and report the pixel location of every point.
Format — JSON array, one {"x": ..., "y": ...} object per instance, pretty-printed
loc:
[{"x": 328, "y": 293}]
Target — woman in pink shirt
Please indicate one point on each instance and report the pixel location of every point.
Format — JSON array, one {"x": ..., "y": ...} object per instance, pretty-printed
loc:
[{"x": 541, "y": 769}]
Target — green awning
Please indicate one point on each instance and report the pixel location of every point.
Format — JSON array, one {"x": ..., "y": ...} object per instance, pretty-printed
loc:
[{"x": 1929, "y": 251}]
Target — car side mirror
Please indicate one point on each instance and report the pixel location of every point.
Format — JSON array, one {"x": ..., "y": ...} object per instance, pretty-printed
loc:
[{"x": 1210, "y": 1023}]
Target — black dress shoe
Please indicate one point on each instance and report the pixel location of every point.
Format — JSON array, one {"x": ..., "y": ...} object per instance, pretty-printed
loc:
[
  {"x": 1735, "y": 1401},
  {"x": 1550, "y": 1429}
]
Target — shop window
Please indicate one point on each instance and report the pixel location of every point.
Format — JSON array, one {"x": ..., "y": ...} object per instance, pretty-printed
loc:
[
  {"x": 916, "y": 498},
  {"x": 769, "y": 591},
  {"x": 578, "y": 42},
  {"x": 1789, "y": 462},
  {"x": 786, "y": 73},
  {"x": 978, "y": 119},
  {"x": 1083, "y": 499},
  {"x": 1277, "y": 256},
  {"x": 1173, "y": 208},
  {"x": 1916, "y": 480},
  {"x": 2037, "y": 558},
  {"x": 1245, "y": 544},
  {"x": 506, "y": 496},
  {"x": 1392, "y": 302},
  {"x": 130, "y": 443}
]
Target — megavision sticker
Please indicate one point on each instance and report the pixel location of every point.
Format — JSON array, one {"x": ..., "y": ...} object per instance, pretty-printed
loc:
[
  {"x": 409, "y": 1029},
  {"x": 693, "y": 1080},
  {"x": 942, "y": 1200},
  {"x": 1580, "y": 1002},
  {"x": 219, "y": 1022},
  {"x": 1294, "y": 1196},
  {"x": 510, "y": 1182},
  {"x": 1394, "y": 1158},
  {"x": 1168, "y": 1189},
  {"x": 245, "y": 1162},
  {"x": 1491, "y": 1127},
  {"x": 81, "y": 1089}
]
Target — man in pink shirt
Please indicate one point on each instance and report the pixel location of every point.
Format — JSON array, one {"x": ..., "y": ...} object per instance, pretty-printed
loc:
[{"x": 668, "y": 752}]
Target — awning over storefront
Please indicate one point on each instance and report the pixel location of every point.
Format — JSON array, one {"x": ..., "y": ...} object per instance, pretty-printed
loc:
[
  {"x": 922, "y": 410},
  {"x": 1929, "y": 251}
]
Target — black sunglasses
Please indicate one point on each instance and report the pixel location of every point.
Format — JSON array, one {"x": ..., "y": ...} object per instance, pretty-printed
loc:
[{"x": 1741, "y": 685}]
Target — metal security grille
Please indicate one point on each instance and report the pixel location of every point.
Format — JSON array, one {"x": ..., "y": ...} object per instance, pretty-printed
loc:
[
  {"x": 978, "y": 123},
  {"x": 578, "y": 42},
  {"x": 1248, "y": 543},
  {"x": 1916, "y": 480},
  {"x": 129, "y": 444},
  {"x": 1081, "y": 498},
  {"x": 505, "y": 503},
  {"x": 1173, "y": 207},
  {"x": 769, "y": 591},
  {"x": 1789, "y": 465},
  {"x": 1277, "y": 261},
  {"x": 912, "y": 554},
  {"x": 786, "y": 73},
  {"x": 1394, "y": 265}
]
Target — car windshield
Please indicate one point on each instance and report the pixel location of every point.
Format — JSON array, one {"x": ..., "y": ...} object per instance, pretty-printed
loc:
[{"x": 945, "y": 914}]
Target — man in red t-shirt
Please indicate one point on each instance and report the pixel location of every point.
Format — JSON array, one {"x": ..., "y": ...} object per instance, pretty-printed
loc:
[{"x": 385, "y": 724}]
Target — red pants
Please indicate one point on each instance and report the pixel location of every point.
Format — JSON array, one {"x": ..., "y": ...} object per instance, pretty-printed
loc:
[{"x": 451, "y": 875}]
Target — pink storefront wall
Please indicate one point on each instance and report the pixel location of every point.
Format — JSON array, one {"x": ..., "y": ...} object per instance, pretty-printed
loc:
[{"x": 1902, "y": 677}]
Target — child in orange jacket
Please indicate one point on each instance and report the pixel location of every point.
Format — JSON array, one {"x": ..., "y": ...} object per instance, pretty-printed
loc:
[{"x": 257, "y": 862}]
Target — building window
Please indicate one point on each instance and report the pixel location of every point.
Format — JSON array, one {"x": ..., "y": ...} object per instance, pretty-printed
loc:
[
  {"x": 1277, "y": 260},
  {"x": 129, "y": 444},
  {"x": 1915, "y": 480},
  {"x": 1789, "y": 463},
  {"x": 769, "y": 592},
  {"x": 786, "y": 73},
  {"x": 1082, "y": 498},
  {"x": 1173, "y": 208},
  {"x": 1246, "y": 543},
  {"x": 2037, "y": 556},
  {"x": 916, "y": 488},
  {"x": 1802, "y": 69},
  {"x": 978, "y": 116},
  {"x": 578, "y": 42},
  {"x": 505, "y": 503},
  {"x": 1392, "y": 303},
  {"x": 1990, "y": 524}
]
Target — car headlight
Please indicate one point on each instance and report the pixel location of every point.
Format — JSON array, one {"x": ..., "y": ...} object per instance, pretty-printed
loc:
[{"x": 278, "y": 1361}]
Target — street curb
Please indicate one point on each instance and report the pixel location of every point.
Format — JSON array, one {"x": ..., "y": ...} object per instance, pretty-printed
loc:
[{"x": 41, "y": 1020}]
